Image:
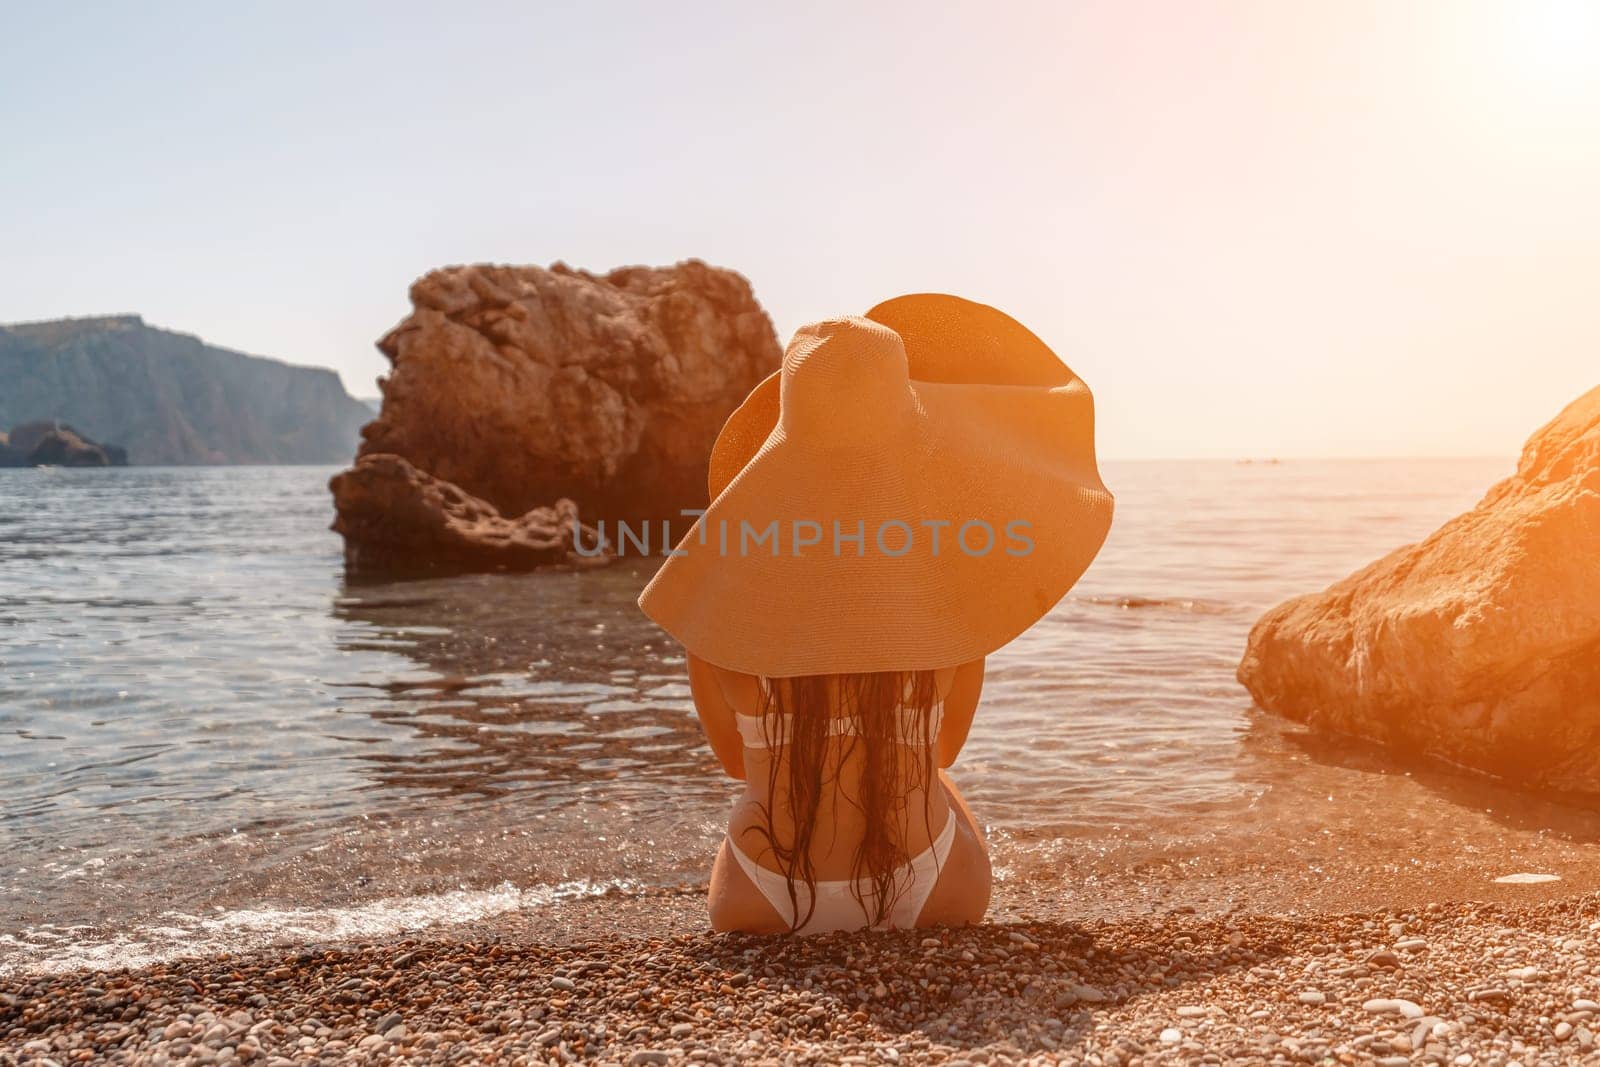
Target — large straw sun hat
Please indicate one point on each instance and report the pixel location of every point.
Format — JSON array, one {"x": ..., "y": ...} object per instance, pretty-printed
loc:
[{"x": 911, "y": 490}]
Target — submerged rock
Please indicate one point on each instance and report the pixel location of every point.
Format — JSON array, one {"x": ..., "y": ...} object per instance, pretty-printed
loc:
[
  {"x": 1479, "y": 646},
  {"x": 522, "y": 386},
  {"x": 395, "y": 517}
]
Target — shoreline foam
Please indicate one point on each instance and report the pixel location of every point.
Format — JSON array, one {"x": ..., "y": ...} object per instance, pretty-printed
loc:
[{"x": 45, "y": 951}]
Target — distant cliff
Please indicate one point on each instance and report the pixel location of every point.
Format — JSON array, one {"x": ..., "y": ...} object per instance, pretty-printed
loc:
[{"x": 170, "y": 398}]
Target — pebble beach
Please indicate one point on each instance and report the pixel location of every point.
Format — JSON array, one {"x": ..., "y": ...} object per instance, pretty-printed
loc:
[{"x": 1458, "y": 983}]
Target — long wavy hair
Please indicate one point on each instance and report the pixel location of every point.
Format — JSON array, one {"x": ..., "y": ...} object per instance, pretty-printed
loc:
[{"x": 886, "y": 742}]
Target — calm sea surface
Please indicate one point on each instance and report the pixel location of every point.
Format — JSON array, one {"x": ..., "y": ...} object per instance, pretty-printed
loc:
[{"x": 208, "y": 734}]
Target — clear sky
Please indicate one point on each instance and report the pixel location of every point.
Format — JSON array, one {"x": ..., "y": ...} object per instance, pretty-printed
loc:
[{"x": 1278, "y": 228}]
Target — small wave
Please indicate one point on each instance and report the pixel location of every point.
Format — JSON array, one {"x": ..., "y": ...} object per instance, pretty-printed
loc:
[
  {"x": 48, "y": 950},
  {"x": 1187, "y": 605},
  {"x": 392, "y": 604}
]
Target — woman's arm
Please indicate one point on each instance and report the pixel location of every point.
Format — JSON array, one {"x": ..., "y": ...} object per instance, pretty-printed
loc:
[
  {"x": 716, "y": 716},
  {"x": 958, "y": 710}
]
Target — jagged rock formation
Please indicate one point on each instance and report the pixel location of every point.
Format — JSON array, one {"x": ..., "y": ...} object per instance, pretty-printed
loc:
[
  {"x": 169, "y": 398},
  {"x": 1479, "y": 646},
  {"x": 38, "y": 444},
  {"x": 395, "y": 517},
  {"x": 523, "y": 386}
]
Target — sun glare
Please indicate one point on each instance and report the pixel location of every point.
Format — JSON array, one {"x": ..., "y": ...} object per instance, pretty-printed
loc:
[{"x": 1556, "y": 43}]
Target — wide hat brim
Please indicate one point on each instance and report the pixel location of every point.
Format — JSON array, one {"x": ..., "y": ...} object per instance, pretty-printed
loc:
[{"x": 977, "y": 509}]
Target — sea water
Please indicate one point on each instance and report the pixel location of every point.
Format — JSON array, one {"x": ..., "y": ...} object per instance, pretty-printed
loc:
[{"x": 209, "y": 735}]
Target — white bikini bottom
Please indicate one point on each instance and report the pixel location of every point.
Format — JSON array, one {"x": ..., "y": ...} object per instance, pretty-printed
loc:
[{"x": 837, "y": 907}]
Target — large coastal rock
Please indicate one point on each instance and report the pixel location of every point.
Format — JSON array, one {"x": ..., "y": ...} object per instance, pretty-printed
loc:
[
  {"x": 523, "y": 386},
  {"x": 38, "y": 444},
  {"x": 169, "y": 398},
  {"x": 396, "y": 518},
  {"x": 1480, "y": 646}
]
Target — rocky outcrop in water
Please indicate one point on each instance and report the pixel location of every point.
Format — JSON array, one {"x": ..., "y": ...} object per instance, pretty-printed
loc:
[
  {"x": 396, "y": 518},
  {"x": 169, "y": 398},
  {"x": 522, "y": 386},
  {"x": 39, "y": 444},
  {"x": 1479, "y": 646}
]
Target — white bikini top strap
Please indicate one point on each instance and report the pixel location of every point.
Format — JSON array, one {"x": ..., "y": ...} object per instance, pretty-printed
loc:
[{"x": 750, "y": 727}]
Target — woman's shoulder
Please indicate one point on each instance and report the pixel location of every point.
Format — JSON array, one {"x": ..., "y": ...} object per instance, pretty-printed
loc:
[{"x": 741, "y": 690}]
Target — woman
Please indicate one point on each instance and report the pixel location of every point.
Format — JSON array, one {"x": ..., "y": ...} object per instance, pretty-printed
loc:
[{"x": 909, "y": 492}]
